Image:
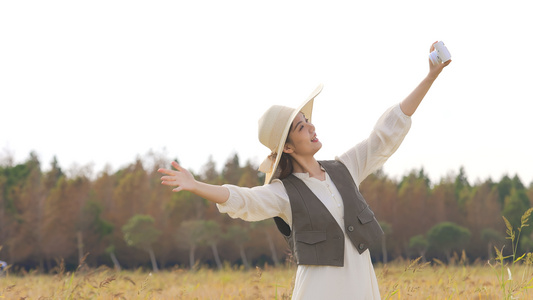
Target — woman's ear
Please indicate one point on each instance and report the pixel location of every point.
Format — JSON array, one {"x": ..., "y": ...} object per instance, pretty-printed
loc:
[{"x": 288, "y": 148}]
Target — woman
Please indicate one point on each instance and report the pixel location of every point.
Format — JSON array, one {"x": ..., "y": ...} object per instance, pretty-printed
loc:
[{"x": 316, "y": 205}]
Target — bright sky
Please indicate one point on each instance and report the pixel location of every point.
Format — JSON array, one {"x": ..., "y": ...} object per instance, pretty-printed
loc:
[{"x": 103, "y": 82}]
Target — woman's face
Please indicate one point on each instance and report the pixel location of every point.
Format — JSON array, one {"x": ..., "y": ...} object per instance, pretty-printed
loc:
[{"x": 302, "y": 138}]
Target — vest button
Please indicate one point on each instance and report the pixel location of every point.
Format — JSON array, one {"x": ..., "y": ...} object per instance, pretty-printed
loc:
[
  {"x": 361, "y": 246},
  {"x": 350, "y": 228}
]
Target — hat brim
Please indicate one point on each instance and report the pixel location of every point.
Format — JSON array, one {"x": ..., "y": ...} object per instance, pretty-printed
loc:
[{"x": 307, "y": 109}]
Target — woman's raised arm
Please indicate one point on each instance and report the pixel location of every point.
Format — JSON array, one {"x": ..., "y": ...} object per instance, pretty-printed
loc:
[{"x": 411, "y": 102}]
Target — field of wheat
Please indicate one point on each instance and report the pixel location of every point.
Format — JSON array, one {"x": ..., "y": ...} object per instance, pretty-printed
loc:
[{"x": 398, "y": 280}]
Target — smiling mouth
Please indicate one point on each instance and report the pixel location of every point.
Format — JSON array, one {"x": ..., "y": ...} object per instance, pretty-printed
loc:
[{"x": 314, "y": 140}]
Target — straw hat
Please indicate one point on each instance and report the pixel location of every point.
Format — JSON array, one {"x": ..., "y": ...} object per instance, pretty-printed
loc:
[{"x": 273, "y": 130}]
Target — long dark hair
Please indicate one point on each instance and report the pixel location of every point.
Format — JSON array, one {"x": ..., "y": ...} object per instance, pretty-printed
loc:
[
  {"x": 285, "y": 162},
  {"x": 285, "y": 165}
]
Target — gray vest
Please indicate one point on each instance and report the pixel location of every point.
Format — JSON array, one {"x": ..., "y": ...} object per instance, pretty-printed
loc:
[{"x": 316, "y": 238}]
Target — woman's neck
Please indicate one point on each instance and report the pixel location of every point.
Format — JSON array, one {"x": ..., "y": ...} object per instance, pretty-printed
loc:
[{"x": 310, "y": 165}]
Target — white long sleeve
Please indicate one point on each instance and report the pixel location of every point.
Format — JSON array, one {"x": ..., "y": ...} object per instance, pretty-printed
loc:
[
  {"x": 371, "y": 153},
  {"x": 257, "y": 203}
]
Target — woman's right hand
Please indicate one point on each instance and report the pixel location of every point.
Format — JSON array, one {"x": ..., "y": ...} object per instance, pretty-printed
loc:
[
  {"x": 184, "y": 181},
  {"x": 180, "y": 178}
]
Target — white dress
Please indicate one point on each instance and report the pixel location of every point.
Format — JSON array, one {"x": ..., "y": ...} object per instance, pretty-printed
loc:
[{"x": 356, "y": 279}]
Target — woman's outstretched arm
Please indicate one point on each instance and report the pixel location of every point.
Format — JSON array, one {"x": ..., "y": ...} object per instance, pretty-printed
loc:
[
  {"x": 411, "y": 102},
  {"x": 184, "y": 181}
]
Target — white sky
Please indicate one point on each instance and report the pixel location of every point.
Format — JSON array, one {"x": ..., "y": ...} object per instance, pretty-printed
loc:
[{"x": 102, "y": 82}]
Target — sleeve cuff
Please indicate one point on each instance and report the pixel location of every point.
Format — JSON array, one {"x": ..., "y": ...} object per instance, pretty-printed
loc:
[
  {"x": 229, "y": 204},
  {"x": 398, "y": 110}
]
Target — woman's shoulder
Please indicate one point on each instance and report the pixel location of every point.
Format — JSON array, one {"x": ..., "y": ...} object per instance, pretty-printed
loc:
[{"x": 276, "y": 186}]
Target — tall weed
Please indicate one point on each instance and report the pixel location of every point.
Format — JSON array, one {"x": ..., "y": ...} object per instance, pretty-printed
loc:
[{"x": 511, "y": 287}]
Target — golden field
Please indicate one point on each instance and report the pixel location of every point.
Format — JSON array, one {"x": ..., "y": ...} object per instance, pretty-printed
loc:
[{"x": 398, "y": 280}]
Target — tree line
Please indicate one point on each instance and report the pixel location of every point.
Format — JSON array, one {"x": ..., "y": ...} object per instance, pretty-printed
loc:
[{"x": 127, "y": 219}]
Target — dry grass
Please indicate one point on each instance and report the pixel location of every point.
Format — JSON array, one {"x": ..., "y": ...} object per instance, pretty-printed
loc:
[
  {"x": 399, "y": 280},
  {"x": 440, "y": 281},
  {"x": 104, "y": 283}
]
